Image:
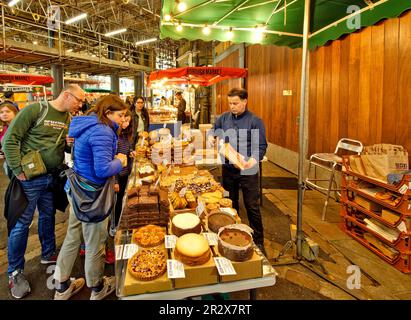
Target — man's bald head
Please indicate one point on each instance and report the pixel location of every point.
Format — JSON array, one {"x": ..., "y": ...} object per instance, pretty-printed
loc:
[{"x": 72, "y": 98}]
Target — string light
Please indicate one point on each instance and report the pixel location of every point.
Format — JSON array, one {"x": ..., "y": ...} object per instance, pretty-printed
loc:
[
  {"x": 259, "y": 34},
  {"x": 230, "y": 34},
  {"x": 206, "y": 30},
  {"x": 181, "y": 6},
  {"x": 167, "y": 17},
  {"x": 179, "y": 27}
]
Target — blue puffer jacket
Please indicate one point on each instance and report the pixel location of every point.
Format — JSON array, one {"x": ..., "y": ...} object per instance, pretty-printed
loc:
[{"x": 95, "y": 145}]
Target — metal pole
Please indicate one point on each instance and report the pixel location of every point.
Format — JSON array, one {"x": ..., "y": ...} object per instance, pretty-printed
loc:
[
  {"x": 3, "y": 24},
  {"x": 301, "y": 155}
]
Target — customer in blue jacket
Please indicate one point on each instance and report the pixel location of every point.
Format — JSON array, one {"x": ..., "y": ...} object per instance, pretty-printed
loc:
[
  {"x": 246, "y": 134},
  {"x": 95, "y": 148}
]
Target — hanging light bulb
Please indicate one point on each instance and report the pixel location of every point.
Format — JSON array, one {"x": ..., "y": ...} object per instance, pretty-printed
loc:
[
  {"x": 167, "y": 17},
  {"x": 181, "y": 6},
  {"x": 259, "y": 34},
  {"x": 206, "y": 30},
  {"x": 179, "y": 27},
  {"x": 230, "y": 34}
]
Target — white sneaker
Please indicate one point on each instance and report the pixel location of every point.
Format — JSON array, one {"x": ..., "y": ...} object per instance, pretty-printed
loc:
[
  {"x": 75, "y": 287},
  {"x": 109, "y": 287}
]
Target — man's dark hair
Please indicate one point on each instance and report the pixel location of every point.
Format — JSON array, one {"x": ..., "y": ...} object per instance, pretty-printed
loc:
[
  {"x": 179, "y": 93},
  {"x": 8, "y": 94},
  {"x": 238, "y": 92}
]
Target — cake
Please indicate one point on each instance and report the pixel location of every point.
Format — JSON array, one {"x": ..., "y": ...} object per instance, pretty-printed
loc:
[
  {"x": 184, "y": 223},
  {"x": 219, "y": 219},
  {"x": 149, "y": 236},
  {"x": 192, "y": 203},
  {"x": 226, "y": 203},
  {"x": 147, "y": 265},
  {"x": 235, "y": 242},
  {"x": 213, "y": 206},
  {"x": 192, "y": 249}
]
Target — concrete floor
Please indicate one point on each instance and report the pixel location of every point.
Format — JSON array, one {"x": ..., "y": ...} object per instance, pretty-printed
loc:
[{"x": 326, "y": 278}]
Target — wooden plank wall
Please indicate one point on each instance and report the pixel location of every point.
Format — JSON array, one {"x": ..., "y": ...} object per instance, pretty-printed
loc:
[
  {"x": 222, "y": 88},
  {"x": 358, "y": 88}
]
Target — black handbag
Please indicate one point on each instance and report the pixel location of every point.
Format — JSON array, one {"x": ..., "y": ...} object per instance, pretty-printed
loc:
[
  {"x": 15, "y": 202},
  {"x": 91, "y": 202}
]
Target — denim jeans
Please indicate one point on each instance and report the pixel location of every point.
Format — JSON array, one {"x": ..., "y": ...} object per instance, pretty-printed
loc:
[{"x": 39, "y": 194}]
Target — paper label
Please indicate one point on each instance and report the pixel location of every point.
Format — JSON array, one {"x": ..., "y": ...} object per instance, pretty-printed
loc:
[
  {"x": 142, "y": 141},
  {"x": 228, "y": 210},
  {"x": 129, "y": 250},
  {"x": 403, "y": 189},
  {"x": 183, "y": 192},
  {"x": 226, "y": 194},
  {"x": 402, "y": 227},
  {"x": 175, "y": 269},
  {"x": 164, "y": 125},
  {"x": 224, "y": 266},
  {"x": 200, "y": 208},
  {"x": 119, "y": 252},
  {"x": 170, "y": 241},
  {"x": 212, "y": 238}
]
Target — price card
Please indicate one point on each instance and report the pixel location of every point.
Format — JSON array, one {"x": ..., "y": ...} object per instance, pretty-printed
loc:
[
  {"x": 119, "y": 251},
  {"x": 183, "y": 192},
  {"x": 200, "y": 208},
  {"x": 226, "y": 194},
  {"x": 403, "y": 189},
  {"x": 142, "y": 141},
  {"x": 164, "y": 125},
  {"x": 175, "y": 269},
  {"x": 170, "y": 241},
  {"x": 212, "y": 238},
  {"x": 129, "y": 250},
  {"x": 224, "y": 266},
  {"x": 402, "y": 227}
]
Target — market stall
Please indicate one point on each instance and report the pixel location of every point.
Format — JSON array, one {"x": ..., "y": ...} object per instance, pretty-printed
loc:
[{"x": 178, "y": 234}]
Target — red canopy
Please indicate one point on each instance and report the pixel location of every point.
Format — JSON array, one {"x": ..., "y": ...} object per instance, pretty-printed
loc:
[
  {"x": 204, "y": 76},
  {"x": 25, "y": 79}
]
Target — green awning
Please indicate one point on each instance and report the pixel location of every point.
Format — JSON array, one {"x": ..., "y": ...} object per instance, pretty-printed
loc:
[{"x": 281, "y": 20}]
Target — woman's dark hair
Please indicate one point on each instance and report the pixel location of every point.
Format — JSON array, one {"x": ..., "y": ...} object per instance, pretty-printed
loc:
[
  {"x": 129, "y": 130},
  {"x": 133, "y": 106},
  {"x": 105, "y": 104},
  {"x": 11, "y": 107}
]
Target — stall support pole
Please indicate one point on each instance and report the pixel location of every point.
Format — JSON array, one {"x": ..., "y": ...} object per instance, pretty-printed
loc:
[
  {"x": 3, "y": 24},
  {"x": 301, "y": 155}
]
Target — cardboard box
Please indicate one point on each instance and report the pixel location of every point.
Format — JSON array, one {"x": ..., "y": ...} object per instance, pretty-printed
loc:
[
  {"x": 197, "y": 275},
  {"x": 367, "y": 204},
  {"x": 390, "y": 216},
  {"x": 134, "y": 286},
  {"x": 249, "y": 269}
]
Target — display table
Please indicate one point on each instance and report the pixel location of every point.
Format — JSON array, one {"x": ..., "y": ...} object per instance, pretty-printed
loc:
[{"x": 268, "y": 279}]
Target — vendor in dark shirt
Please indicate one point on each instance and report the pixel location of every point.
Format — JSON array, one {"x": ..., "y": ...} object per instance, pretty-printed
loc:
[
  {"x": 246, "y": 134},
  {"x": 181, "y": 107}
]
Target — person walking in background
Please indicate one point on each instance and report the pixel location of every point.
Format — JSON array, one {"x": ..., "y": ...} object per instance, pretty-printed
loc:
[
  {"x": 95, "y": 160},
  {"x": 9, "y": 97},
  {"x": 40, "y": 127},
  {"x": 8, "y": 112},
  {"x": 181, "y": 107},
  {"x": 140, "y": 119}
]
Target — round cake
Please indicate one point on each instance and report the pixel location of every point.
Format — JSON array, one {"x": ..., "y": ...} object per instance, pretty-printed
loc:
[
  {"x": 227, "y": 203},
  {"x": 235, "y": 242},
  {"x": 192, "y": 249},
  {"x": 147, "y": 265},
  {"x": 219, "y": 219},
  {"x": 149, "y": 236},
  {"x": 185, "y": 223}
]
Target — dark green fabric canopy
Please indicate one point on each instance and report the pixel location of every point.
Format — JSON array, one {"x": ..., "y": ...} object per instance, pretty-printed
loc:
[{"x": 282, "y": 19}]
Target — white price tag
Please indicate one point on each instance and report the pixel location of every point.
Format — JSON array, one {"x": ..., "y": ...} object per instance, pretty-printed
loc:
[
  {"x": 402, "y": 227},
  {"x": 175, "y": 269},
  {"x": 226, "y": 194},
  {"x": 228, "y": 210},
  {"x": 164, "y": 125},
  {"x": 403, "y": 189},
  {"x": 224, "y": 266},
  {"x": 212, "y": 238},
  {"x": 129, "y": 250},
  {"x": 119, "y": 251},
  {"x": 183, "y": 192},
  {"x": 200, "y": 208},
  {"x": 142, "y": 141},
  {"x": 170, "y": 241}
]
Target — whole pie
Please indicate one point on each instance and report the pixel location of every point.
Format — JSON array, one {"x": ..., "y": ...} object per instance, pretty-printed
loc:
[
  {"x": 149, "y": 236},
  {"x": 148, "y": 264}
]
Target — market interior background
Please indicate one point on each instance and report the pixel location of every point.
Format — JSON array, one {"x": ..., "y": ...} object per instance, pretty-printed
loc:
[{"x": 358, "y": 88}]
